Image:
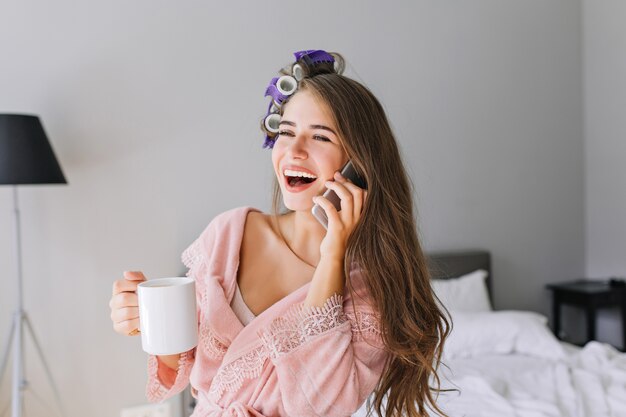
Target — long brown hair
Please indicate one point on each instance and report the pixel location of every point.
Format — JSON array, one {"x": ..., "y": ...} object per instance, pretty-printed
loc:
[{"x": 384, "y": 243}]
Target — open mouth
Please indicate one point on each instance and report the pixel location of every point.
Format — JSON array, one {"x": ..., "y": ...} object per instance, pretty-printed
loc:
[
  {"x": 299, "y": 181},
  {"x": 296, "y": 181}
]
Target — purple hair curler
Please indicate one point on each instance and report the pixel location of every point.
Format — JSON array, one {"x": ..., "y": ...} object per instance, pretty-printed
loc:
[
  {"x": 282, "y": 87},
  {"x": 314, "y": 56}
]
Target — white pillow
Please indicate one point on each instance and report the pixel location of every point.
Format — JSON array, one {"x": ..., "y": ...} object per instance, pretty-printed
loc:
[
  {"x": 465, "y": 293},
  {"x": 501, "y": 332}
]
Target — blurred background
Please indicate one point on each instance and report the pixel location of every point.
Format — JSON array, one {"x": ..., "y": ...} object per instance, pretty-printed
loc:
[{"x": 509, "y": 114}]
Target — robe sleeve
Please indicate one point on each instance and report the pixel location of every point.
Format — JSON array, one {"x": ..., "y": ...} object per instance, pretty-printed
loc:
[
  {"x": 163, "y": 381},
  {"x": 328, "y": 361}
]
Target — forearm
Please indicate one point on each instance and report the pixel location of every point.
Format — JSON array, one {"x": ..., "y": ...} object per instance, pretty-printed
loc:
[
  {"x": 170, "y": 360},
  {"x": 328, "y": 279}
]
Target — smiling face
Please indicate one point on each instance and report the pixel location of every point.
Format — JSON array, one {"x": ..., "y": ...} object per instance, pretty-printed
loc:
[{"x": 307, "y": 150}]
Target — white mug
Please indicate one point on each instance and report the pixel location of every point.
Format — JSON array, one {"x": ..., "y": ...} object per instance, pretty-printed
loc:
[{"x": 167, "y": 315}]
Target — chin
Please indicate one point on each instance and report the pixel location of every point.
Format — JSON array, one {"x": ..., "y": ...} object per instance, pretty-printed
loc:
[
  {"x": 299, "y": 201},
  {"x": 298, "y": 205}
]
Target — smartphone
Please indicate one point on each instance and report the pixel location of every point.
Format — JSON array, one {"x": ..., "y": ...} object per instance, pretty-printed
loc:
[{"x": 349, "y": 172}]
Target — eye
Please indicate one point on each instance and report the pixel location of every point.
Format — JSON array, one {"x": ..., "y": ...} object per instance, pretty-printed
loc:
[
  {"x": 321, "y": 138},
  {"x": 316, "y": 137}
]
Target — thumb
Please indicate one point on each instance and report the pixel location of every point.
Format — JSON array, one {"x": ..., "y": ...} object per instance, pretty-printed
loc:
[{"x": 134, "y": 276}]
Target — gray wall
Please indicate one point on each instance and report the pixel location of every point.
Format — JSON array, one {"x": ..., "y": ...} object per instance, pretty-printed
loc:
[
  {"x": 153, "y": 110},
  {"x": 604, "y": 43}
]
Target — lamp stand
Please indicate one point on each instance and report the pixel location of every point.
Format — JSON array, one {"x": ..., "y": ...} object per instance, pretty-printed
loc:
[{"x": 20, "y": 317}]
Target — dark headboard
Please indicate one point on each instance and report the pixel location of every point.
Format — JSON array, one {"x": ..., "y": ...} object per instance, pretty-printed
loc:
[{"x": 452, "y": 264}]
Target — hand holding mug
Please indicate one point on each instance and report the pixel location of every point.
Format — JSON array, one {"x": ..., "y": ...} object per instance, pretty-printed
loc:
[{"x": 124, "y": 303}]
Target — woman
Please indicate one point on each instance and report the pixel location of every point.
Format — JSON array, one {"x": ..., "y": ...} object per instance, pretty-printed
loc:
[{"x": 296, "y": 319}]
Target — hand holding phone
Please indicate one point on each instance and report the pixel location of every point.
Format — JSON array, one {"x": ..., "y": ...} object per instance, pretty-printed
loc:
[{"x": 348, "y": 172}]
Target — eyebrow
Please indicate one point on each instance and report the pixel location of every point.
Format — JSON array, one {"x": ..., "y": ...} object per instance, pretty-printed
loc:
[{"x": 322, "y": 127}]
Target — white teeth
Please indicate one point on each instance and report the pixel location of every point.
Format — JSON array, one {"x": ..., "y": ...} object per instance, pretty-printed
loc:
[{"x": 290, "y": 173}]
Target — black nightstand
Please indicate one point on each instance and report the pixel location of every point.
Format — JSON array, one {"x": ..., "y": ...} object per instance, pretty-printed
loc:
[{"x": 590, "y": 295}]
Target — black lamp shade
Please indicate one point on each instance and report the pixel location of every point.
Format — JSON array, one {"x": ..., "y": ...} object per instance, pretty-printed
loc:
[{"x": 26, "y": 156}]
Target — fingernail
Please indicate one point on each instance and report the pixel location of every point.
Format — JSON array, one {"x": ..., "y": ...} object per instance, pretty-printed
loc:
[{"x": 328, "y": 183}]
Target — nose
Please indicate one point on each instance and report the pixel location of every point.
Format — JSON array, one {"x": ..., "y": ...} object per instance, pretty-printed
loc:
[{"x": 297, "y": 147}]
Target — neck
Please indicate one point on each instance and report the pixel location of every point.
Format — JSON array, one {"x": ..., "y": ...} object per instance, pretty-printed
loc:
[{"x": 304, "y": 235}]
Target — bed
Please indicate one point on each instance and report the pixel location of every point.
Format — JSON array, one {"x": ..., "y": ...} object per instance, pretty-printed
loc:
[{"x": 508, "y": 363}]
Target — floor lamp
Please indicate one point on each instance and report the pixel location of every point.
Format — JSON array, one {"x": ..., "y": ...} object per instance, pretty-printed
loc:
[{"x": 26, "y": 157}]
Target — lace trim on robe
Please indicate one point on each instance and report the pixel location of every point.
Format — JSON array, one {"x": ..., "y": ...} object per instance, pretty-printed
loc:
[
  {"x": 284, "y": 334},
  {"x": 369, "y": 324},
  {"x": 230, "y": 377},
  {"x": 208, "y": 339},
  {"x": 301, "y": 324},
  {"x": 192, "y": 256},
  {"x": 211, "y": 343},
  {"x": 155, "y": 390}
]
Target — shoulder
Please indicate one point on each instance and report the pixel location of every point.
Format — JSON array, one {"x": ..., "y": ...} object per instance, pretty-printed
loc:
[
  {"x": 258, "y": 225},
  {"x": 225, "y": 228},
  {"x": 234, "y": 216},
  {"x": 232, "y": 221}
]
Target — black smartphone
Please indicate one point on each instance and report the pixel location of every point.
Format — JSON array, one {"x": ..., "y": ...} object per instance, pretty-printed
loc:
[{"x": 349, "y": 172}]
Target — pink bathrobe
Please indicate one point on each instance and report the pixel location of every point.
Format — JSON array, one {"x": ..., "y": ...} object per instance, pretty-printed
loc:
[{"x": 288, "y": 361}]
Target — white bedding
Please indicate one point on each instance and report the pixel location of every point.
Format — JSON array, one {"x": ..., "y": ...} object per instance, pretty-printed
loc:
[
  {"x": 589, "y": 382},
  {"x": 526, "y": 372}
]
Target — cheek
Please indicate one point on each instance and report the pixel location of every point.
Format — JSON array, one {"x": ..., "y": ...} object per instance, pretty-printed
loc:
[
  {"x": 334, "y": 161},
  {"x": 275, "y": 155}
]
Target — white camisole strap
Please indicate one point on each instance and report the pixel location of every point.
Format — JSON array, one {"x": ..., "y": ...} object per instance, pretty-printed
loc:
[{"x": 240, "y": 308}]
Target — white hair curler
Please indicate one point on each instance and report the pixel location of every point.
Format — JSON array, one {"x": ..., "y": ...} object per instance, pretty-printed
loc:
[
  {"x": 271, "y": 122},
  {"x": 286, "y": 85},
  {"x": 298, "y": 72}
]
